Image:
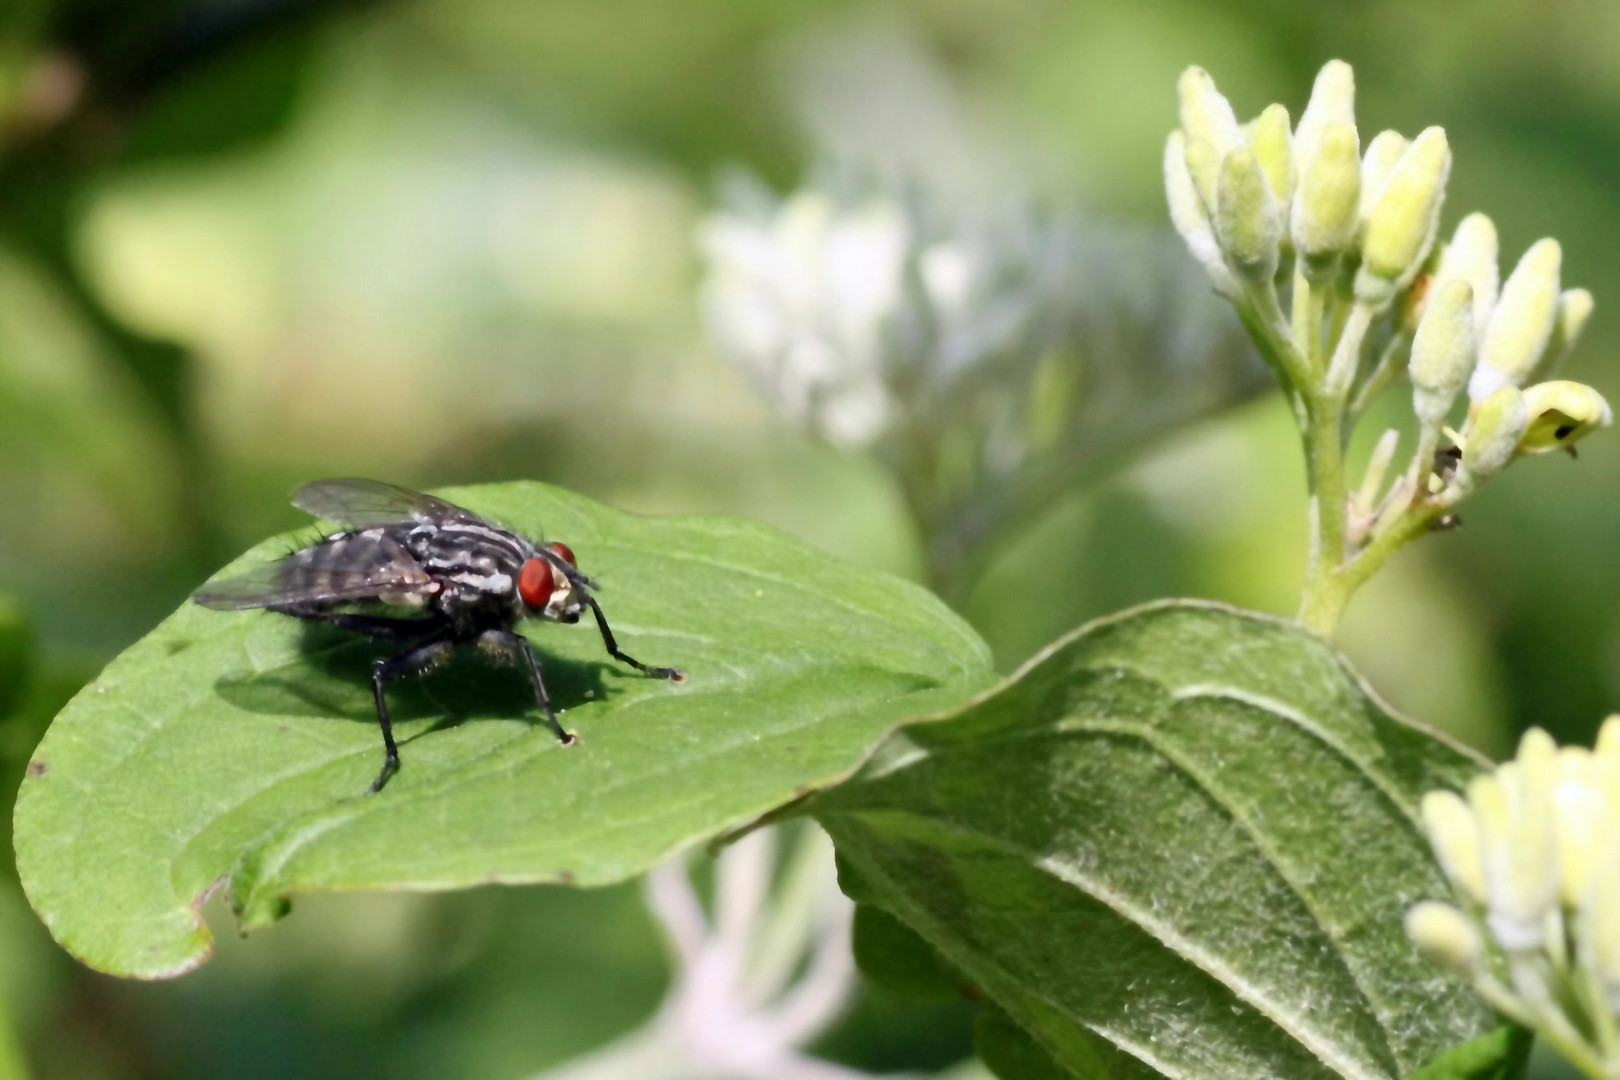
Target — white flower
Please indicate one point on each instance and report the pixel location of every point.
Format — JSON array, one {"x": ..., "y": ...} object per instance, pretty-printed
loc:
[
  {"x": 755, "y": 981},
  {"x": 850, "y": 313},
  {"x": 1535, "y": 855},
  {"x": 807, "y": 301}
]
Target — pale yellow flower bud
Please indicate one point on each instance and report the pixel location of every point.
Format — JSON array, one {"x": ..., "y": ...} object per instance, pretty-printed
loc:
[
  {"x": 1272, "y": 141},
  {"x": 1204, "y": 166},
  {"x": 1454, "y": 834},
  {"x": 1574, "y": 309},
  {"x": 1608, "y": 740},
  {"x": 1376, "y": 165},
  {"x": 1442, "y": 351},
  {"x": 1518, "y": 840},
  {"x": 1492, "y": 436},
  {"x": 1561, "y": 414},
  {"x": 1365, "y": 499},
  {"x": 1522, "y": 323},
  {"x": 1539, "y": 770},
  {"x": 1471, "y": 257},
  {"x": 1324, "y": 220},
  {"x": 1402, "y": 225},
  {"x": 1538, "y": 755},
  {"x": 1599, "y": 940},
  {"x": 1333, "y": 101},
  {"x": 1247, "y": 221},
  {"x": 1206, "y": 116},
  {"x": 1584, "y": 822},
  {"x": 1446, "y": 936},
  {"x": 1188, "y": 214}
]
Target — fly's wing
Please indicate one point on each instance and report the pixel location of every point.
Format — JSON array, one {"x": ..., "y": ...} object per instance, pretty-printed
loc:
[
  {"x": 346, "y": 567},
  {"x": 367, "y": 504}
]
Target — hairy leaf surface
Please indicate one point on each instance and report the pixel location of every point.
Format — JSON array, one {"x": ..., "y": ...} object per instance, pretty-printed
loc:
[
  {"x": 232, "y": 749},
  {"x": 1178, "y": 843}
]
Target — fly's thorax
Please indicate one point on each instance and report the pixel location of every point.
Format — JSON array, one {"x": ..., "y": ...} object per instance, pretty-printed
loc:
[{"x": 479, "y": 562}]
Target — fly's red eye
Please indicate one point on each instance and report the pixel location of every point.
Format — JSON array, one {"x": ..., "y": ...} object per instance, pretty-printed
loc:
[
  {"x": 534, "y": 583},
  {"x": 565, "y": 551}
]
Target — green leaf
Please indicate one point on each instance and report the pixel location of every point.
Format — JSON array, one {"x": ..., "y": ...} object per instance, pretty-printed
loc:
[
  {"x": 893, "y": 956},
  {"x": 16, "y": 644},
  {"x": 230, "y": 103},
  {"x": 1179, "y": 842},
  {"x": 231, "y": 750},
  {"x": 1502, "y": 1054},
  {"x": 1007, "y": 1050}
]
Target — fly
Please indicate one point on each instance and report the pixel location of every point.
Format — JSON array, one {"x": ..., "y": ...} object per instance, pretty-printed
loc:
[{"x": 412, "y": 568}]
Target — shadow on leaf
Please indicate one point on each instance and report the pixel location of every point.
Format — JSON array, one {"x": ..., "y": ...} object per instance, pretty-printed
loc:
[{"x": 335, "y": 681}]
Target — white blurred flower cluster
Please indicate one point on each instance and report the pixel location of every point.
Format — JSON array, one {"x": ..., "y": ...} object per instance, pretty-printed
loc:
[
  {"x": 845, "y": 309},
  {"x": 990, "y": 358},
  {"x": 1534, "y": 855},
  {"x": 1332, "y": 254}
]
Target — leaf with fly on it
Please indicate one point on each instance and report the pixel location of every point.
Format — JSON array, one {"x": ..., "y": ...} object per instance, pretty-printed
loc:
[
  {"x": 1180, "y": 842},
  {"x": 231, "y": 750}
]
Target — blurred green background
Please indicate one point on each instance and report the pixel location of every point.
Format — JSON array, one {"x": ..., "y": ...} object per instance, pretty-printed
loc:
[{"x": 244, "y": 245}]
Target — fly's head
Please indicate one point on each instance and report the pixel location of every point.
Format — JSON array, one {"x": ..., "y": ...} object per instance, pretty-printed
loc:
[{"x": 547, "y": 590}]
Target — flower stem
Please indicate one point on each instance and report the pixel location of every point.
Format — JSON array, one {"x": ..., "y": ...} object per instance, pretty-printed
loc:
[
  {"x": 1557, "y": 1036},
  {"x": 1324, "y": 598},
  {"x": 1310, "y": 299},
  {"x": 1318, "y": 372},
  {"x": 1328, "y": 586},
  {"x": 1390, "y": 364},
  {"x": 1417, "y": 519},
  {"x": 1273, "y": 329}
]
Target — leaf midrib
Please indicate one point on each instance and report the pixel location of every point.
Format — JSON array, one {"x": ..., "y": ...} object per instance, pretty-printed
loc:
[
  {"x": 1286, "y": 869},
  {"x": 1129, "y": 913},
  {"x": 1169, "y": 749},
  {"x": 447, "y": 781}
]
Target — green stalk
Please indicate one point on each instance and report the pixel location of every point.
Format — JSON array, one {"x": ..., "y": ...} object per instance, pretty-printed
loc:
[
  {"x": 1417, "y": 518},
  {"x": 1566, "y": 1042},
  {"x": 1384, "y": 372},
  {"x": 1310, "y": 299},
  {"x": 1327, "y": 586},
  {"x": 1274, "y": 332},
  {"x": 1323, "y": 599},
  {"x": 1319, "y": 388}
]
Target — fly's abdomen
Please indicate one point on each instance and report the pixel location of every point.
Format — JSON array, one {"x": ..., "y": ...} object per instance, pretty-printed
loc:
[{"x": 374, "y": 558}]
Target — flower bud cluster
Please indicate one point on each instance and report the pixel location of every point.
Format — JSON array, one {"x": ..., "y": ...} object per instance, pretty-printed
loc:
[
  {"x": 1533, "y": 853},
  {"x": 1345, "y": 235},
  {"x": 1321, "y": 200}
]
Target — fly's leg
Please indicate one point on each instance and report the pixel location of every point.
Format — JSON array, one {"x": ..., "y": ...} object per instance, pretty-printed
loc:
[
  {"x": 614, "y": 651},
  {"x": 417, "y": 658},
  {"x": 520, "y": 644}
]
